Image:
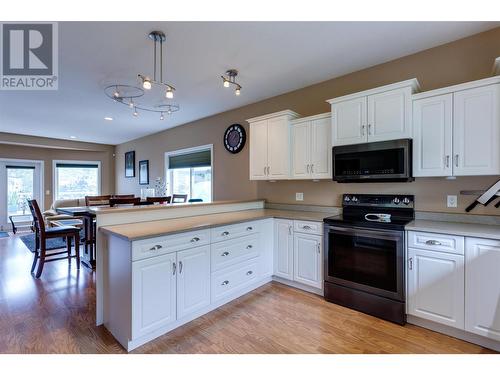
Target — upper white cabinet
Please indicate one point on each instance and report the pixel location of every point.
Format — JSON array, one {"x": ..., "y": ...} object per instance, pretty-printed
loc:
[
  {"x": 270, "y": 146},
  {"x": 379, "y": 114},
  {"x": 311, "y": 147},
  {"x": 457, "y": 130}
]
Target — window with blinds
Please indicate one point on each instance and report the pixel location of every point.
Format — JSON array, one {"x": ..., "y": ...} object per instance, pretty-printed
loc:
[{"x": 76, "y": 179}]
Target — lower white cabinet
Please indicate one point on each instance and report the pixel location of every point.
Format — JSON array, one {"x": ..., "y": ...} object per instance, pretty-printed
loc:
[
  {"x": 153, "y": 293},
  {"x": 482, "y": 287},
  {"x": 283, "y": 248},
  {"x": 436, "y": 286},
  {"x": 193, "y": 280},
  {"x": 307, "y": 259}
]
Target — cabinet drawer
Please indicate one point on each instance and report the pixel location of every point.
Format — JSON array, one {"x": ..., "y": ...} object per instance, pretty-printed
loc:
[
  {"x": 167, "y": 244},
  {"x": 311, "y": 227},
  {"x": 227, "y": 253},
  {"x": 233, "y": 231},
  {"x": 232, "y": 279},
  {"x": 436, "y": 242}
]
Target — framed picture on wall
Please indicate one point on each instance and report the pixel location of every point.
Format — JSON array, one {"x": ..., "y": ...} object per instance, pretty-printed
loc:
[
  {"x": 144, "y": 172},
  {"x": 130, "y": 164}
]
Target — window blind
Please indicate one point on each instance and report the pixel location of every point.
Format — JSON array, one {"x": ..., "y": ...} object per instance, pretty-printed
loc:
[
  {"x": 69, "y": 165},
  {"x": 191, "y": 160},
  {"x": 18, "y": 167}
]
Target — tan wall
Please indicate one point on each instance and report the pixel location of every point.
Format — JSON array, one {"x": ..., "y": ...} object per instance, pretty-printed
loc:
[
  {"x": 460, "y": 61},
  {"x": 51, "y": 151}
]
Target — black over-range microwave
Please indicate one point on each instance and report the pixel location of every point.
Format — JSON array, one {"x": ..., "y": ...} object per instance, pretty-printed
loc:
[{"x": 387, "y": 161}]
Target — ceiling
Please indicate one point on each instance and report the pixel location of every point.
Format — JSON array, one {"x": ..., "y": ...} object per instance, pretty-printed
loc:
[{"x": 272, "y": 57}]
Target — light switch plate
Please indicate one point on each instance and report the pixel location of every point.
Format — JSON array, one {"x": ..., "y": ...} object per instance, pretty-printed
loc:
[
  {"x": 299, "y": 196},
  {"x": 452, "y": 201}
]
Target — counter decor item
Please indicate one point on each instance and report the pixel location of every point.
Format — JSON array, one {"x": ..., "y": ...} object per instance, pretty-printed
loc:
[
  {"x": 160, "y": 187},
  {"x": 147, "y": 193},
  {"x": 130, "y": 164},
  {"x": 144, "y": 172}
]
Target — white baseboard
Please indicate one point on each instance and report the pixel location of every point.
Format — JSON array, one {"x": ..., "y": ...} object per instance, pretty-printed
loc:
[{"x": 297, "y": 285}]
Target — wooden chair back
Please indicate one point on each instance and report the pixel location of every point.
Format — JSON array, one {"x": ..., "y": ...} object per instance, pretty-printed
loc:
[
  {"x": 179, "y": 198},
  {"x": 158, "y": 199},
  {"x": 118, "y": 201},
  {"x": 38, "y": 222},
  {"x": 97, "y": 200},
  {"x": 123, "y": 196}
]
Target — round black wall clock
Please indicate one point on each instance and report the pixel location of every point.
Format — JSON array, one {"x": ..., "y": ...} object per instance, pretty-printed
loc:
[{"x": 234, "y": 138}]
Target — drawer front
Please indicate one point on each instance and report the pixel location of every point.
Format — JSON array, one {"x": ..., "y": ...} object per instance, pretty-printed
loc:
[
  {"x": 227, "y": 253},
  {"x": 436, "y": 242},
  {"x": 151, "y": 247},
  {"x": 234, "y": 231},
  {"x": 311, "y": 227},
  {"x": 232, "y": 279}
]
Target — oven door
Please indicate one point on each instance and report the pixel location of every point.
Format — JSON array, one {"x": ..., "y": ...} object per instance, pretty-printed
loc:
[{"x": 365, "y": 259}]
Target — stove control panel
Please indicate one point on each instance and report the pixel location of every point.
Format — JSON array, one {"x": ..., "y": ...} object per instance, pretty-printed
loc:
[{"x": 379, "y": 200}]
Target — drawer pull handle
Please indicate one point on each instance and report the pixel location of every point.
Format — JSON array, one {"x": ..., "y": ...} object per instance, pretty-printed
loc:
[
  {"x": 226, "y": 233},
  {"x": 225, "y": 282},
  {"x": 195, "y": 239},
  {"x": 249, "y": 246},
  {"x": 155, "y": 247},
  {"x": 224, "y": 254},
  {"x": 306, "y": 227},
  {"x": 433, "y": 242},
  {"x": 249, "y": 228},
  {"x": 249, "y": 273}
]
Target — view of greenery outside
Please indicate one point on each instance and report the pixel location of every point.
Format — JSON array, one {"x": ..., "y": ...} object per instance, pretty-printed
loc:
[
  {"x": 19, "y": 189},
  {"x": 195, "y": 182},
  {"x": 75, "y": 182}
]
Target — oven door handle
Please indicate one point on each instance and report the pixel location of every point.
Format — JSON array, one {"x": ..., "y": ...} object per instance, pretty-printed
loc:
[{"x": 379, "y": 233}]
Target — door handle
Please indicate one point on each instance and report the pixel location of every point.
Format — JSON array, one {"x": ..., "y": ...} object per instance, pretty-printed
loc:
[
  {"x": 319, "y": 247},
  {"x": 174, "y": 267},
  {"x": 410, "y": 264},
  {"x": 447, "y": 161},
  {"x": 224, "y": 254},
  {"x": 268, "y": 170},
  {"x": 307, "y": 168},
  {"x": 312, "y": 168},
  {"x": 456, "y": 160},
  {"x": 362, "y": 129},
  {"x": 290, "y": 229},
  {"x": 369, "y": 129},
  {"x": 180, "y": 268},
  {"x": 265, "y": 168}
]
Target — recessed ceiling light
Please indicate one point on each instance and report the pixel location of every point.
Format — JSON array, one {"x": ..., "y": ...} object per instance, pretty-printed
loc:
[
  {"x": 72, "y": 137},
  {"x": 107, "y": 118}
]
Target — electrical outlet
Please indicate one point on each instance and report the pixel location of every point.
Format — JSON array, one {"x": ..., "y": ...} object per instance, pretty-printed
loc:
[
  {"x": 452, "y": 201},
  {"x": 299, "y": 196}
]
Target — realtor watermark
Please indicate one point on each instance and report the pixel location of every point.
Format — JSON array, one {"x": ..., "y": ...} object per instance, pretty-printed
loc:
[{"x": 29, "y": 56}]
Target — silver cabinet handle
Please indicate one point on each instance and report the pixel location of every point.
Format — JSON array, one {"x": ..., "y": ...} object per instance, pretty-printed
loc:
[
  {"x": 307, "y": 168},
  {"x": 306, "y": 227},
  {"x": 155, "y": 247},
  {"x": 369, "y": 129},
  {"x": 456, "y": 160},
  {"x": 312, "y": 168},
  {"x": 249, "y": 273},
  {"x": 180, "y": 268},
  {"x": 433, "y": 242},
  {"x": 225, "y": 282},
  {"x": 265, "y": 168},
  {"x": 174, "y": 267},
  {"x": 249, "y": 228},
  {"x": 195, "y": 239},
  {"x": 410, "y": 263},
  {"x": 268, "y": 170},
  {"x": 319, "y": 247},
  {"x": 224, "y": 254},
  {"x": 362, "y": 129},
  {"x": 289, "y": 229},
  {"x": 447, "y": 161},
  {"x": 249, "y": 246},
  {"x": 225, "y": 233}
]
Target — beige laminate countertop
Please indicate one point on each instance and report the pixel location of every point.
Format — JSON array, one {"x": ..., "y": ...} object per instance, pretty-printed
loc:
[
  {"x": 461, "y": 229},
  {"x": 137, "y": 231}
]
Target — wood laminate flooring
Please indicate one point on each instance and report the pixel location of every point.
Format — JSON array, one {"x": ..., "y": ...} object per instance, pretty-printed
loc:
[{"x": 56, "y": 314}]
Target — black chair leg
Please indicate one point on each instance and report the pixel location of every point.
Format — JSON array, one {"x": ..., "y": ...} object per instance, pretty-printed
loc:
[
  {"x": 77, "y": 250},
  {"x": 68, "y": 248},
  {"x": 35, "y": 258},
  {"x": 41, "y": 261}
]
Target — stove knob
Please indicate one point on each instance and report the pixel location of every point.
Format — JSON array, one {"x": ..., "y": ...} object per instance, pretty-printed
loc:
[
  {"x": 396, "y": 201},
  {"x": 406, "y": 201},
  {"x": 347, "y": 199}
]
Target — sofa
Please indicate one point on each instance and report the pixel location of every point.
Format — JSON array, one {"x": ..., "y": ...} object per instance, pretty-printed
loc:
[{"x": 51, "y": 214}]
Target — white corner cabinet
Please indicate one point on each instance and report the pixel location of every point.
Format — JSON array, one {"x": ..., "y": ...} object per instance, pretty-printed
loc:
[
  {"x": 457, "y": 130},
  {"x": 298, "y": 252},
  {"x": 311, "y": 153},
  {"x": 454, "y": 281},
  {"x": 270, "y": 146},
  {"x": 378, "y": 114}
]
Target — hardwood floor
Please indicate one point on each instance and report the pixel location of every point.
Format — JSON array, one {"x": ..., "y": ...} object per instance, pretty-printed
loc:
[{"x": 55, "y": 314}]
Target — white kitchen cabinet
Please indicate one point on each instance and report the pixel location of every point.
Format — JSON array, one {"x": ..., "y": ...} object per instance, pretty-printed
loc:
[
  {"x": 436, "y": 286},
  {"x": 476, "y": 131},
  {"x": 153, "y": 293},
  {"x": 379, "y": 114},
  {"x": 311, "y": 147},
  {"x": 283, "y": 248},
  {"x": 432, "y": 137},
  {"x": 308, "y": 259},
  {"x": 193, "y": 280},
  {"x": 270, "y": 146},
  {"x": 482, "y": 287}
]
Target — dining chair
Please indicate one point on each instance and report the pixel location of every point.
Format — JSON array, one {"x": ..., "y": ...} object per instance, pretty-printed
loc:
[
  {"x": 119, "y": 201},
  {"x": 97, "y": 200},
  {"x": 41, "y": 236},
  {"x": 179, "y": 198},
  {"x": 123, "y": 196},
  {"x": 158, "y": 199}
]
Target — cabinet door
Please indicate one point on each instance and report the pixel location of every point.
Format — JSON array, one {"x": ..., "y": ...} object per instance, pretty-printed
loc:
[
  {"x": 301, "y": 150},
  {"x": 321, "y": 148},
  {"x": 278, "y": 135},
  {"x": 432, "y": 136},
  {"x": 258, "y": 150},
  {"x": 283, "y": 248},
  {"x": 436, "y": 286},
  {"x": 389, "y": 115},
  {"x": 482, "y": 287},
  {"x": 476, "y": 134},
  {"x": 349, "y": 122},
  {"x": 153, "y": 294},
  {"x": 307, "y": 260},
  {"x": 193, "y": 280}
]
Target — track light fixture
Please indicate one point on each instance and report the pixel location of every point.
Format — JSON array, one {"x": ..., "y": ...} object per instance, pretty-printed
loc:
[{"x": 230, "y": 79}]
